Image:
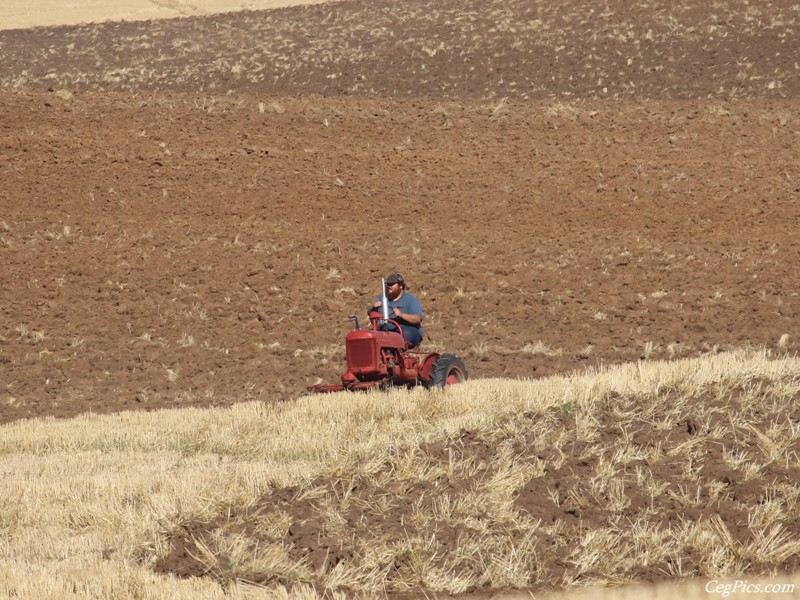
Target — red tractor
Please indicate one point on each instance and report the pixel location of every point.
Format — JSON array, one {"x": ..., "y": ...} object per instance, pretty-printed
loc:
[{"x": 381, "y": 358}]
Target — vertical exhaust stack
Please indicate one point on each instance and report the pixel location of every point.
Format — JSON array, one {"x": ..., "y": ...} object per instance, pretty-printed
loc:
[{"x": 384, "y": 301}]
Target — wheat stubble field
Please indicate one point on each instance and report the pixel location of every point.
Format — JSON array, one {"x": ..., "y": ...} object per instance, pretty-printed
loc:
[{"x": 598, "y": 206}]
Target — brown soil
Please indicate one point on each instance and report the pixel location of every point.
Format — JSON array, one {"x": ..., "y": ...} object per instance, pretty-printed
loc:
[
  {"x": 438, "y": 48},
  {"x": 174, "y": 249}
]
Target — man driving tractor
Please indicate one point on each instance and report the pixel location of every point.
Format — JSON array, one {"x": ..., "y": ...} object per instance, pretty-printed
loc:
[
  {"x": 381, "y": 357},
  {"x": 406, "y": 309}
]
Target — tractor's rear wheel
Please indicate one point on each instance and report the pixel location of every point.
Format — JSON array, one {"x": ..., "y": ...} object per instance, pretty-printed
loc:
[{"x": 447, "y": 370}]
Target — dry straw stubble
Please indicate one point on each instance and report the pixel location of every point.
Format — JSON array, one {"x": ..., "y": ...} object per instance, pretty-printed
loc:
[{"x": 93, "y": 503}]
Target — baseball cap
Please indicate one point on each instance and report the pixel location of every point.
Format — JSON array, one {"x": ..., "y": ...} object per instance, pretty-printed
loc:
[{"x": 393, "y": 278}]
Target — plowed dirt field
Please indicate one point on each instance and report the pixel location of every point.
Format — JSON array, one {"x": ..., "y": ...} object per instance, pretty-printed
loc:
[{"x": 190, "y": 209}]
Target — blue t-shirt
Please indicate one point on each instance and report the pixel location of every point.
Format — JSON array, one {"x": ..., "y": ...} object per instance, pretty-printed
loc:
[{"x": 407, "y": 303}]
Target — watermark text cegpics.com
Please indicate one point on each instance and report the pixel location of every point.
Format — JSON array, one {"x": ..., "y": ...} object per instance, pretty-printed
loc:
[{"x": 745, "y": 587}]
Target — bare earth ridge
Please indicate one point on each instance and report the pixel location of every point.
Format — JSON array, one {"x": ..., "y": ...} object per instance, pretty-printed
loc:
[{"x": 465, "y": 48}]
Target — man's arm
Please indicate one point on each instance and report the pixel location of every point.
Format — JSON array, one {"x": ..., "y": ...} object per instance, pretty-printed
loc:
[
  {"x": 409, "y": 318},
  {"x": 375, "y": 308},
  {"x": 414, "y": 314}
]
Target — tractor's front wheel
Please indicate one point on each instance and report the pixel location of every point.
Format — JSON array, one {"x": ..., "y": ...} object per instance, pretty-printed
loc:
[{"x": 447, "y": 370}]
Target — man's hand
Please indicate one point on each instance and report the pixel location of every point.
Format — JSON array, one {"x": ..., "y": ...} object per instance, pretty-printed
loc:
[{"x": 397, "y": 313}]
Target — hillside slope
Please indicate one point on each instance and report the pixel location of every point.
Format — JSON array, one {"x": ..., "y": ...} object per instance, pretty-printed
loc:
[{"x": 438, "y": 48}]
